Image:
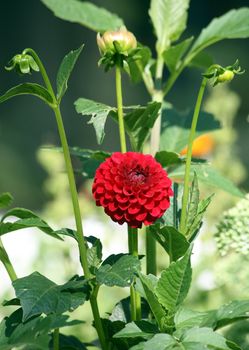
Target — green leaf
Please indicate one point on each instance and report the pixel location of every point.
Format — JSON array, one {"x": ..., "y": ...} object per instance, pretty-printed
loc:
[
  {"x": 168, "y": 158},
  {"x": 141, "y": 329},
  {"x": 137, "y": 63},
  {"x": 194, "y": 197},
  {"x": 172, "y": 56},
  {"x": 118, "y": 270},
  {"x": 69, "y": 342},
  {"x": 173, "y": 242},
  {"x": 176, "y": 128},
  {"x": 209, "y": 176},
  {"x": 139, "y": 123},
  {"x": 232, "y": 25},
  {"x": 27, "y": 219},
  {"x": 161, "y": 342},
  {"x": 98, "y": 113},
  {"x": 185, "y": 318},
  {"x": 169, "y": 19},
  {"x": 40, "y": 295},
  {"x": 202, "y": 60},
  {"x": 94, "y": 253},
  {"x": 5, "y": 199},
  {"x": 149, "y": 283},
  {"x": 174, "y": 283},
  {"x": 28, "y": 89},
  {"x": 65, "y": 71},
  {"x": 85, "y": 13}
]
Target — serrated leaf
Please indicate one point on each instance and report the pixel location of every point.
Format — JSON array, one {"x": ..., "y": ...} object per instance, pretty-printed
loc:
[
  {"x": 97, "y": 111},
  {"x": 193, "y": 202},
  {"x": 176, "y": 128},
  {"x": 209, "y": 176},
  {"x": 174, "y": 283},
  {"x": 185, "y": 318},
  {"x": 169, "y": 18},
  {"x": 168, "y": 158},
  {"x": 232, "y": 25},
  {"x": 118, "y": 270},
  {"x": 28, "y": 89},
  {"x": 27, "y": 219},
  {"x": 139, "y": 123},
  {"x": 65, "y": 71},
  {"x": 84, "y": 13},
  {"x": 161, "y": 342},
  {"x": 172, "y": 56},
  {"x": 141, "y": 329},
  {"x": 39, "y": 295},
  {"x": 173, "y": 242},
  {"x": 149, "y": 283},
  {"x": 94, "y": 253},
  {"x": 5, "y": 199}
]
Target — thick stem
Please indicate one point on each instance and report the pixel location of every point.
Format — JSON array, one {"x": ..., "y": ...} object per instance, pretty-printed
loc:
[
  {"x": 189, "y": 155},
  {"x": 135, "y": 297},
  {"x": 151, "y": 266},
  {"x": 6, "y": 262},
  {"x": 56, "y": 339},
  {"x": 120, "y": 110}
]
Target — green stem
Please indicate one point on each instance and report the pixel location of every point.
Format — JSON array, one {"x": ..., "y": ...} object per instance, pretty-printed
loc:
[
  {"x": 189, "y": 155},
  {"x": 135, "y": 297},
  {"x": 7, "y": 263},
  {"x": 151, "y": 265},
  {"x": 56, "y": 339},
  {"x": 74, "y": 196},
  {"x": 120, "y": 109}
]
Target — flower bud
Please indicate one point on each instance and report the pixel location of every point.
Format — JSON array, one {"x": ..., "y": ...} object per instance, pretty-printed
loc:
[
  {"x": 120, "y": 41},
  {"x": 227, "y": 76},
  {"x": 23, "y": 64}
]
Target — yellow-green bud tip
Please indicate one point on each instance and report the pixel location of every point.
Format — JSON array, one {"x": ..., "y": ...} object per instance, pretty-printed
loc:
[{"x": 227, "y": 76}]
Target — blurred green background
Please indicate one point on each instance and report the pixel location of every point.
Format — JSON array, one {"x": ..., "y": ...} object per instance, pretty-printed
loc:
[{"x": 26, "y": 123}]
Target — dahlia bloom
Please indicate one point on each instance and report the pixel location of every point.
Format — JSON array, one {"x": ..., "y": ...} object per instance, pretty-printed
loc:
[{"x": 133, "y": 188}]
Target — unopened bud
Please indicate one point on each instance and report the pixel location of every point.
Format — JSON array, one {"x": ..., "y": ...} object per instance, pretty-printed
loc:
[
  {"x": 227, "y": 76},
  {"x": 120, "y": 41},
  {"x": 23, "y": 64}
]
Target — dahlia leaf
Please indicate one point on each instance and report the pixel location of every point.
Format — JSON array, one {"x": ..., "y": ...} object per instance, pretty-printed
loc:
[
  {"x": 173, "y": 54},
  {"x": 232, "y": 25},
  {"x": 209, "y": 176},
  {"x": 193, "y": 202},
  {"x": 176, "y": 128},
  {"x": 94, "y": 253},
  {"x": 28, "y": 89},
  {"x": 26, "y": 219},
  {"x": 142, "y": 329},
  {"x": 137, "y": 63},
  {"x": 65, "y": 71},
  {"x": 5, "y": 199},
  {"x": 118, "y": 270},
  {"x": 174, "y": 283},
  {"x": 186, "y": 318},
  {"x": 85, "y": 13},
  {"x": 149, "y": 283},
  {"x": 98, "y": 112},
  {"x": 168, "y": 158},
  {"x": 39, "y": 295},
  {"x": 202, "y": 60},
  {"x": 139, "y": 123},
  {"x": 172, "y": 241},
  {"x": 169, "y": 18},
  {"x": 70, "y": 342}
]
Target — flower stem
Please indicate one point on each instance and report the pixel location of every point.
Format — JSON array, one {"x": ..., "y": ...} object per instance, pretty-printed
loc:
[
  {"x": 6, "y": 262},
  {"x": 151, "y": 265},
  {"x": 135, "y": 297},
  {"x": 189, "y": 155},
  {"x": 56, "y": 339},
  {"x": 74, "y": 196},
  {"x": 120, "y": 109}
]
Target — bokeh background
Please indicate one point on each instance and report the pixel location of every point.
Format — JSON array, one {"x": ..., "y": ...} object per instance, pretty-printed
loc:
[
  {"x": 26, "y": 123},
  {"x": 37, "y": 180}
]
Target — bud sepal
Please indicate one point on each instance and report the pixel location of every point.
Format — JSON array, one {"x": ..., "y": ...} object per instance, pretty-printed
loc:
[
  {"x": 23, "y": 64},
  {"x": 218, "y": 74}
]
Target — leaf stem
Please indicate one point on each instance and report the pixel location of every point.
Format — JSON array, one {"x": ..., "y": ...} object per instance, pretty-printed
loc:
[
  {"x": 120, "y": 109},
  {"x": 135, "y": 297},
  {"x": 74, "y": 196},
  {"x": 189, "y": 155},
  {"x": 56, "y": 339},
  {"x": 6, "y": 262}
]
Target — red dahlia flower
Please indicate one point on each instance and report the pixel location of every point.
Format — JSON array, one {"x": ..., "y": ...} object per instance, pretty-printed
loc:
[{"x": 133, "y": 188}]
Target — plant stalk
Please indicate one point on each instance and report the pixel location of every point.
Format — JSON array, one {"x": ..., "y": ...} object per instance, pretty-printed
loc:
[
  {"x": 56, "y": 339},
  {"x": 189, "y": 155},
  {"x": 135, "y": 297},
  {"x": 74, "y": 196},
  {"x": 6, "y": 262},
  {"x": 120, "y": 110}
]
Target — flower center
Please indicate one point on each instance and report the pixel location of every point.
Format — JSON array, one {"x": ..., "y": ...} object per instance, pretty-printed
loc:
[{"x": 137, "y": 176}]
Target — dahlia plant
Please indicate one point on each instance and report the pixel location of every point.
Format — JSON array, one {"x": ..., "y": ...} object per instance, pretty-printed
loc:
[{"x": 155, "y": 193}]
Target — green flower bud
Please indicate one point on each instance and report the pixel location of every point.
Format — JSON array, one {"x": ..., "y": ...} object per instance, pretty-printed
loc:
[
  {"x": 120, "y": 41},
  {"x": 23, "y": 64},
  {"x": 217, "y": 74},
  {"x": 227, "y": 76}
]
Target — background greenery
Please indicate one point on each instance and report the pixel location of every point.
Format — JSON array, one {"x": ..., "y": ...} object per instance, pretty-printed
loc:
[{"x": 26, "y": 123}]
